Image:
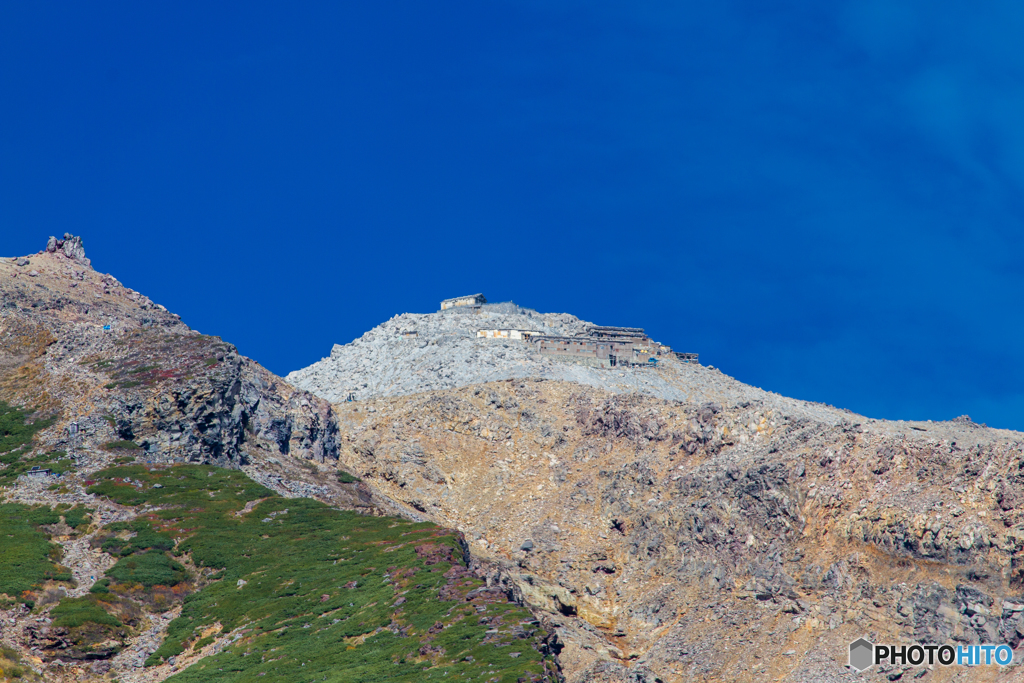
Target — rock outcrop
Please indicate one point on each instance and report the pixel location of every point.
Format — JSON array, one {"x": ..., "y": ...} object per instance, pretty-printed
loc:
[
  {"x": 109, "y": 365},
  {"x": 71, "y": 246},
  {"x": 669, "y": 540}
]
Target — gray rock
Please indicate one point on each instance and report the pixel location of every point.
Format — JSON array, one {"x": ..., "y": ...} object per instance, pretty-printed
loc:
[{"x": 73, "y": 248}]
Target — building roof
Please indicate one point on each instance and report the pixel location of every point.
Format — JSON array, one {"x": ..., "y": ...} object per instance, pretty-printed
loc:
[
  {"x": 617, "y": 330},
  {"x": 594, "y": 340},
  {"x": 468, "y": 296}
]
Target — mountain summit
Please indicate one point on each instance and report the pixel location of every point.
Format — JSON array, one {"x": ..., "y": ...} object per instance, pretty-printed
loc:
[
  {"x": 674, "y": 523},
  {"x": 480, "y": 493}
]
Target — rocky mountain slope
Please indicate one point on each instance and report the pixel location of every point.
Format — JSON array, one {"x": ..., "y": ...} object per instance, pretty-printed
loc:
[
  {"x": 678, "y": 525},
  {"x": 78, "y": 345},
  {"x": 412, "y": 353},
  {"x": 169, "y": 508},
  {"x": 669, "y": 524}
]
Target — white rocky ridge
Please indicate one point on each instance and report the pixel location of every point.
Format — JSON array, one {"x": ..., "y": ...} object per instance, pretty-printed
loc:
[
  {"x": 445, "y": 352},
  {"x": 413, "y": 352}
]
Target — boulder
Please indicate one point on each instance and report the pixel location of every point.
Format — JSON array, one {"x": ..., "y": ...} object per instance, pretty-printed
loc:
[{"x": 73, "y": 248}]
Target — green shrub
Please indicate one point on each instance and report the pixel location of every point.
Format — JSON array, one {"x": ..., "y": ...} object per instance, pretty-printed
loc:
[
  {"x": 146, "y": 538},
  {"x": 303, "y": 579},
  {"x": 77, "y": 517},
  {"x": 14, "y": 430},
  {"x": 153, "y": 568},
  {"x": 28, "y": 557},
  {"x": 75, "y": 612},
  {"x": 121, "y": 446},
  {"x": 16, "y": 435},
  {"x": 346, "y": 478},
  {"x": 200, "y": 644}
]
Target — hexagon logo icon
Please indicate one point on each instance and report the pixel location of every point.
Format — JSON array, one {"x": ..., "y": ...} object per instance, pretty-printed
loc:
[{"x": 861, "y": 654}]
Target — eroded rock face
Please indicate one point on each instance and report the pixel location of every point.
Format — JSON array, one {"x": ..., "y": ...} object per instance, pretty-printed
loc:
[
  {"x": 666, "y": 538},
  {"x": 71, "y": 247},
  {"x": 110, "y": 366},
  {"x": 200, "y": 401}
]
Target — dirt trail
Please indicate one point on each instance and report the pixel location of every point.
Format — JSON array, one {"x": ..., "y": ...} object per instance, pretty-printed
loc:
[
  {"x": 86, "y": 564},
  {"x": 128, "y": 665}
]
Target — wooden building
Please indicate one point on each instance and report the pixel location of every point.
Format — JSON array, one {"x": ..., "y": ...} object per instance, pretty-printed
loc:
[
  {"x": 471, "y": 300},
  {"x": 602, "y": 352}
]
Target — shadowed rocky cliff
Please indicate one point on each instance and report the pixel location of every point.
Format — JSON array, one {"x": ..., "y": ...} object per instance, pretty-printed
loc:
[{"x": 107, "y": 363}]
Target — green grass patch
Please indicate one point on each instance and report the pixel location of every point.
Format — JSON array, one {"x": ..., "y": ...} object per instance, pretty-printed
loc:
[
  {"x": 146, "y": 538},
  {"x": 9, "y": 664},
  {"x": 121, "y": 446},
  {"x": 18, "y": 463},
  {"x": 317, "y": 594},
  {"x": 144, "y": 368},
  {"x": 16, "y": 435},
  {"x": 75, "y": 517},
  {"x": 15, "y": 430},
  {"x": 75, "y": 612},
  {"x": 200, "y": 644},
  {"x": 27, "y": 558},
  {"x": 150, "y": 569},
  {"x": 346, "y": 478},
  {"x": 93, "y": 626}
]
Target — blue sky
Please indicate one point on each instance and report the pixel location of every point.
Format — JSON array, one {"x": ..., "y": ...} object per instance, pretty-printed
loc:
[{"x": 823, "y": 199}]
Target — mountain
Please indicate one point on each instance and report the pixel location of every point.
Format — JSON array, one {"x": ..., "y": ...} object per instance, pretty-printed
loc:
[
  {"x": 171, "y": 509},
  {"x": 444, "y": 499},
  {"x": 675, "y": 524}
]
